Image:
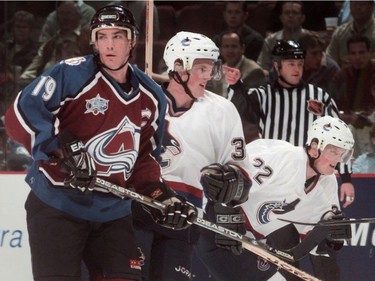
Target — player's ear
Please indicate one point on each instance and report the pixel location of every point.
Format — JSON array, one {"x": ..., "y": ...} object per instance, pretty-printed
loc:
[
  {"x": 313, "y": 150},
  {"x": 178, "y": 66}
]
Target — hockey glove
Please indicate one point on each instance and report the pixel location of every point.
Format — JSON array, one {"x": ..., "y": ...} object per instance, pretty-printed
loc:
[
  {"x": 225, "y": 184},
  {"x": 178, "y": 214},
  {"x": 77, "y": 163},
  {"x": 337, "y": 233},
  {"x": 230, "y": 218}
]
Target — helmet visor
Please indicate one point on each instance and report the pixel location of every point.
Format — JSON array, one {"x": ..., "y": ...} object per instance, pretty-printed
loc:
[{"x": 217, "y": 70}]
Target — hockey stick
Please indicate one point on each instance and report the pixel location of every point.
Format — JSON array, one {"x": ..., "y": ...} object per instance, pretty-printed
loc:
[
  {"x": 333, "y": 222},
  {"x": 149, "y": 36},
  {"x": 249, "y": 244}
]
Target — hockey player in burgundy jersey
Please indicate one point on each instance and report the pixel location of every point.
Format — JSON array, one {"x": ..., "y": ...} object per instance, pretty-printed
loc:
[
  {"x": 202, "y": 127},
  {"x": 113, "y": 115},
  {"x": 298, "y": 184}
]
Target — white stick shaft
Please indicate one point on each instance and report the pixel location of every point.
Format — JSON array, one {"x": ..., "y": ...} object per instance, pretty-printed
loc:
[{"x": 149, "y": 36}]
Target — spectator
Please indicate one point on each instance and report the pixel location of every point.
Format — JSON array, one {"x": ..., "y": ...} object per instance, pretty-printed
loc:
[
  {"x": 365, "y": 162},
  {"x": 292, "y": 18},
  {"x": 21, "y": 48},
  {"x": 351, "y": 86},
  {"x": 363, "y": 24},
  {"x": 68, "y": 18},
  {"x": 318, "y": 68},
  {"x": 363, "y": 121},
  {"x": 344, "y": 15},
  {"x": 52, "y": 26},
  {"x": 232, "y": 50},
  {"x": 235, "y": 15}
]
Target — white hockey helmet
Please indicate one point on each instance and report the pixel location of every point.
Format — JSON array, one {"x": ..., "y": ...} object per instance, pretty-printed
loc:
[
  {"x": 187, "y": 47},
  {"x": 329, "y": 130}
]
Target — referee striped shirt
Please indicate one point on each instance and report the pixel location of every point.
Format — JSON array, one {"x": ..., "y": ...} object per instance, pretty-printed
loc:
[
  {"x": 284, "y": 113},
  {"x": 287, "y": 114}
]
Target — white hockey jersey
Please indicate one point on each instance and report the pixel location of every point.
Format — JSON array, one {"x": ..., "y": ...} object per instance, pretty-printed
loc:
[
  {"x": 278, "y": 174},
  {"x": 208, "y": 132}
]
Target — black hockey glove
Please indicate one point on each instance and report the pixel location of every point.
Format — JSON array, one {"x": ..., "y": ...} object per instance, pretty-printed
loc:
[
  {"x": 77, "y": 163},
  {"x": 225, "y": 184},
  {"x": 178, "y": 214},
  {"x": 230, "y": 218},
  {"x": 337, "y": 233}
]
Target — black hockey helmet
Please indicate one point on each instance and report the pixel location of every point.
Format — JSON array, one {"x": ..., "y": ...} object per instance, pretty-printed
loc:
[
  {"x": 288, "y": 50},
  {"x": 114, "y": 16}
]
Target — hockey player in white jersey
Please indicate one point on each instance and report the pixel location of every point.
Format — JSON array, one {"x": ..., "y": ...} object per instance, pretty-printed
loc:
[
  {"x": 297, "y": 184},
  {"x": 202, "y": 128}
]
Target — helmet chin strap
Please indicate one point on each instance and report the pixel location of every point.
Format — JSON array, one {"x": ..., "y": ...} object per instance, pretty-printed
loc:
[
  {"x": 176, "y": 77},
  {"x": 312, "y": 161}
]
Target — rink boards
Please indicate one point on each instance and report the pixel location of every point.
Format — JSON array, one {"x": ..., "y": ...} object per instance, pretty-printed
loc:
[{"x": 357, "y": 258}]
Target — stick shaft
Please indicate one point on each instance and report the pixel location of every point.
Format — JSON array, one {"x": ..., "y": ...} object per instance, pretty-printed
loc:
[{"x": 247, "y": 243}]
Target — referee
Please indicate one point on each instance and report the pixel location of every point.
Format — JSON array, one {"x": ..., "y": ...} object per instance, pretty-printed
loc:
[{"x": 285, "y": 110}]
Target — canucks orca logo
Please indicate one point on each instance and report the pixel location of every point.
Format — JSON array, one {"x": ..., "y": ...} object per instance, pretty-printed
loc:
[
  {"x": 96, "y": 105},
  {"x": 171, "y": 147},
  {"x": 116, "y": 150},
  {"x": 276, "y": 207}
]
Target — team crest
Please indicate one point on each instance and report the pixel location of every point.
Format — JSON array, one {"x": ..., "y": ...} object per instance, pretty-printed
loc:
[
  {"x": 74, "y": 61},
  {"x": 96, "y": 105},
  {"x": 275, "y": 207},
  {"x": 262, "y": 264},
  {"x": 315, "y": 107}
]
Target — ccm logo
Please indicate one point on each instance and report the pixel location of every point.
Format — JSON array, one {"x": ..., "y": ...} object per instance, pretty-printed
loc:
[{"x": 230, "y": 218}]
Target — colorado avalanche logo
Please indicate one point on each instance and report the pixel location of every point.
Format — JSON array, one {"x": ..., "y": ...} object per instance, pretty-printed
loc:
[
  {"x": 315, "y": 107},
  {"x": 116, "y": 150},
  {"x": 96, "y": 105},
  {"x": 275, "y": 207}
]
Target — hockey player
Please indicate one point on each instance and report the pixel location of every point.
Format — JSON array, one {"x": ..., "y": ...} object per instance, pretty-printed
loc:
[
  {"x": 298, "y": 184},
  {"x": 202, "y": 127},
  {"x": 285, "y": 109},
  {"x": 117, "y": 114}
]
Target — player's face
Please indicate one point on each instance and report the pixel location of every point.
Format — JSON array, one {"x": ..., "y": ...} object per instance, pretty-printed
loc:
[
  {"x": 113, "y": 46},
  {"x": 291, "y": 70},
  {"x": 329, "y": 158},
  {"x": 200, "y": 74}
]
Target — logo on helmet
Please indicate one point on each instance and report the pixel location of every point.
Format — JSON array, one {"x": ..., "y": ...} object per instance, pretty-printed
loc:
[
  {"x": 104, "y": 17},
  {"x": 186, "y": 42},
  {"x": 327, "y": 127}
]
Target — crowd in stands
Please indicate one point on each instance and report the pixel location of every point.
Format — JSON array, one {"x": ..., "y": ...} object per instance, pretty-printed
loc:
[{"x": 340, "y": 60}]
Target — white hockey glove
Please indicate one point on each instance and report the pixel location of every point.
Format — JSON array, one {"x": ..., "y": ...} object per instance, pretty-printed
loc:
[
  {"x": 178, "y": 214},
  {"x": 225, "y": 184},
  {"x": 77, "y": 163}
]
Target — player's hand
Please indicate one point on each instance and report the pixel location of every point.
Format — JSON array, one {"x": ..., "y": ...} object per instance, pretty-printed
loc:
[
  {"x": 224, "y": 184},
  {"x": 230, "y": 218},
  {"x": 78, "y": 163},
  {"x": 232, "y": 75},
  {"x": 347, "y": 194},
  {"x": 178, "y": 214},
  {"x": 337, "y": 233}
]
